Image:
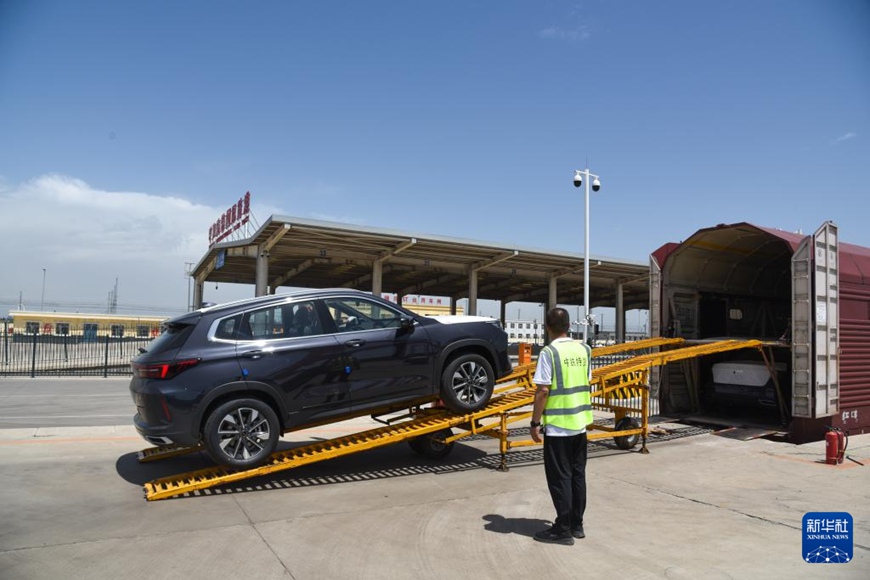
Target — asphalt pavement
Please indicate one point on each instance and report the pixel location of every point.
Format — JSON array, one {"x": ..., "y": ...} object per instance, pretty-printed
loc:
[
  {"x": 65, "y": 402},
  {"x": 698, "y": 506}
]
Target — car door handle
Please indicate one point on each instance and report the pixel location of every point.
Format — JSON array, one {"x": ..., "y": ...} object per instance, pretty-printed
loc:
[
  {"x": 354, "y": 343},
  {"x": 254, "y": 354}
]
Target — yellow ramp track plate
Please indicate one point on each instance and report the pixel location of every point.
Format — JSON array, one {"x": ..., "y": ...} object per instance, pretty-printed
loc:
[
  {"x": 636, "y": 345},
  {"x": 645, "y": 361},
  {"x": 205, "y": 478},
  {"x": 165, "y": 452}
]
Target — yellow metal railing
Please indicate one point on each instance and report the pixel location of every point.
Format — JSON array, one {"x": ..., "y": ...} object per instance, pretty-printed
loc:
[{"x": 612, "y": 385}]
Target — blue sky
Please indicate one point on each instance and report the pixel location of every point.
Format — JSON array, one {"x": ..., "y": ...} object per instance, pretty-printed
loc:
[{"x": 127, "y": 127}]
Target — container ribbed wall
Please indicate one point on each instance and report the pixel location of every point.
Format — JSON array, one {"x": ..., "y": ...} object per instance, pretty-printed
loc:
[{"x": 854, "y": 345}]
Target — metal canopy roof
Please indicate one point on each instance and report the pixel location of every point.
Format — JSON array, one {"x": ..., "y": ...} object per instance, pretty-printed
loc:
[
  {"x": 734, "y": 258},
  {"x": 319, "y": 254},
  {"x": 749, "y": 258}
]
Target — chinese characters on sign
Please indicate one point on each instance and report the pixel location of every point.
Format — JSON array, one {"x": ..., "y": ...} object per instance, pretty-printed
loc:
[
  {"x": 412, "y": 299},
  {"x": 853, "y": 414},
  {"x": 231, "y": 220}
]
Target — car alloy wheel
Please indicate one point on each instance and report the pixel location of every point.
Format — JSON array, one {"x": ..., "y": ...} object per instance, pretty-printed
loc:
[
  {"x": 242, "y": 433},
  {"x": 467, "y": 383}
]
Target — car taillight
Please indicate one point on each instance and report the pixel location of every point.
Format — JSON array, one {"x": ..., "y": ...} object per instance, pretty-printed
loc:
[{"x": 163, "y": 370}]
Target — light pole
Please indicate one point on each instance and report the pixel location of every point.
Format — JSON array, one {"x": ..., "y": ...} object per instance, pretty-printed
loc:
[
  {"x": 188, "y": 269},
  {"x": 42, "y": 303},
  {"x": 596, "y": 185}
]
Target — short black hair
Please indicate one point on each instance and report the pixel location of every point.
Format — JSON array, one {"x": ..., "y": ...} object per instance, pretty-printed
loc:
[{"x": 558, "y": 320}]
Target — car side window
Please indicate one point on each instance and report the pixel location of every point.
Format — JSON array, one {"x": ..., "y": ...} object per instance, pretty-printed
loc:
[
  {"x": 227, "y": 328},
  {"x": 263, "y": 324},
  {"x": 281, "y": 321},
  {"x": 302, "y": 320},
  {"x": 351, "y": 314}
]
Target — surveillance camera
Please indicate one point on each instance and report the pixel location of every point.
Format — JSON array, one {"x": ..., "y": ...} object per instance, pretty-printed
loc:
[
  {"x": 578, "y": 179},
  {"x": 596, "y": 185}
]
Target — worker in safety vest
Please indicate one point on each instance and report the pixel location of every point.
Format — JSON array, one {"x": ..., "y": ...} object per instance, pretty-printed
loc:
[{"x": 561, "y": 413}]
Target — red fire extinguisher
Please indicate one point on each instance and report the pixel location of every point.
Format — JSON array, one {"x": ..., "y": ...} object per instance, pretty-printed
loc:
[{"x": 835, "y": 445}]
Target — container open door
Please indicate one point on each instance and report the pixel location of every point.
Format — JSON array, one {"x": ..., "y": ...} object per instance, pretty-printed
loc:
[
  {"x": 655, "y": 298},
  {"x": 815, "y": 325},
  {"x": 655, "y": 316}
]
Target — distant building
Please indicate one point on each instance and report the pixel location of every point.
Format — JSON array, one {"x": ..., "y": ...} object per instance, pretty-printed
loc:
[
  {"x": 534, "y": 332},
  {"x": 424, "y": 305},
  {"x": 87, "y": 325},
  {"x": 528, "y": 331},
  {"x": 141, "y": 326}
]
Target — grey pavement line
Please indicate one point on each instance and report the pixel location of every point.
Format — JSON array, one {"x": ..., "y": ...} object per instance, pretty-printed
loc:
[
  {"x": 815, "y": 453},
  {"x": 65, "y": 435},
  {"x": 65, "y": 395},
  {"x": 262, "y": 539},
  {"x": 16, "y": 417},
  {"x": 705, "y": 503},
  {"x": 534, "y": 488},
  {"x": 121, "y": 537},
  {"x": 254, "y": 525}
]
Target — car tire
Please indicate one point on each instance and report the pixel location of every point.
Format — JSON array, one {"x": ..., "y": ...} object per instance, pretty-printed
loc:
[
  {"x": 467, "y": 383},
  {"x": 626, "y": 442},
  {"x": 432, "y": 445},
  {"x": 241, "y": 433}
]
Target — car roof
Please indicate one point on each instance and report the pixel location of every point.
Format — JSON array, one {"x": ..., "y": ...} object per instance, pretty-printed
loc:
[
  {"x": 293, "y": 294},
  {"x": 297, "y": 294}
]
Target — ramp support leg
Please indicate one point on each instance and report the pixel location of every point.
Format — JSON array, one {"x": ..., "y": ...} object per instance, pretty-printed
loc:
[
  {"x": 503, "y": 442},
  {"x": 644, "y": 412}
]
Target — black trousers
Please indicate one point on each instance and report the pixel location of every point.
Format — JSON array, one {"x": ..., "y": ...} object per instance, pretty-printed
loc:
[{"x": 565, "y": 466}]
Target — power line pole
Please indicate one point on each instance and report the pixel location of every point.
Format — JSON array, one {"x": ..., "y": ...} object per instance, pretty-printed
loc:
[{"x": 188, "y": 270}]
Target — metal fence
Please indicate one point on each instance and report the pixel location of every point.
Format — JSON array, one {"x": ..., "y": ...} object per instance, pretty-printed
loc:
[
  {"x": 87, "y": 355},
  {"x": 634, "y": 403},
  {"x": 75, "y": 354}
]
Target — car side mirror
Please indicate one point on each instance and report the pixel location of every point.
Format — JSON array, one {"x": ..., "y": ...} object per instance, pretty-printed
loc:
[{"x": 406, "y": 324}]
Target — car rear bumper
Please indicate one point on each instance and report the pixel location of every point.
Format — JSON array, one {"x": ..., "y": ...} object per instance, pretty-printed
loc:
[{"x": 162, "y": 434}]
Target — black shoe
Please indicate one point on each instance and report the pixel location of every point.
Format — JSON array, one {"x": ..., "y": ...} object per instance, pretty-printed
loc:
[
  {"x": 553, "y": 537},
  {"x": 578, "y": 532}
]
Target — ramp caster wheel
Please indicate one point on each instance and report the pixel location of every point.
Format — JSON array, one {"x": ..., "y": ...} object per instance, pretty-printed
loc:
[
  {"x": 432, "y": 445},
  {"x": 626, "y": 442}
]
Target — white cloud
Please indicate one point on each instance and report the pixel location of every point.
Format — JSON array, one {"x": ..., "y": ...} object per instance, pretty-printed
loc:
[
  {"x": 86, "y": 237},
  {"x": 74, "y": 221},
  {"x": 846, "y": 137},
  {"x": 576, "y": 34}
]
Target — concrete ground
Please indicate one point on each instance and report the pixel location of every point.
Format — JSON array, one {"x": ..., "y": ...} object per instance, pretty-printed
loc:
[{"x": 697, "y": 507}]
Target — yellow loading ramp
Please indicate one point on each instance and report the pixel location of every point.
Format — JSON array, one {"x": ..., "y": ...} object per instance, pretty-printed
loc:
[{"x": 612, "y": 384}]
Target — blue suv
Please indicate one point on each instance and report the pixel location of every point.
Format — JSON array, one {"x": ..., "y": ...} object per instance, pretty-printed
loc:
[{"x": 234, "y": 377}]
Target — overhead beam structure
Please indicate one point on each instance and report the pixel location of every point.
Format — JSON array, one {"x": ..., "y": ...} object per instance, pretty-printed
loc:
[{"x": 295, "y": 252}]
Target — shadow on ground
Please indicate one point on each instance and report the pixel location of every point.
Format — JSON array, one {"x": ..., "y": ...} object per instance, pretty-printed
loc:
[
  {"x": 520, "y": 526},
  {"x": 381, "y": 463}
]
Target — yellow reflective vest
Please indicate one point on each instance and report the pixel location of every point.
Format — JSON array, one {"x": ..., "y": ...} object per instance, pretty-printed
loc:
[{"x": 569, "y": 405}]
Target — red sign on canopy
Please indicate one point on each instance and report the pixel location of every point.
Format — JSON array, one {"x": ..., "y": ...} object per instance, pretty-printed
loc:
[{"x": 231, "y": 220}]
